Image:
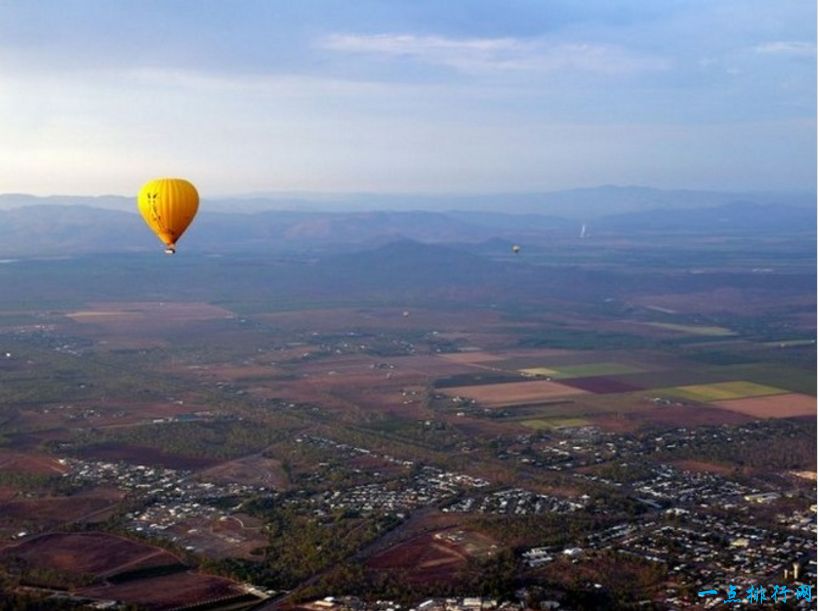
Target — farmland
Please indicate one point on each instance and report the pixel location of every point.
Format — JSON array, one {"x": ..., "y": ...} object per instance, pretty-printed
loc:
[
  {"x": 513, "y": 393},
  {"x": 787, "y": 405},
  {"x": 289, "y": 427},
  {"x": 721, "y": 391},
  {"x": 594, "y": 369}
]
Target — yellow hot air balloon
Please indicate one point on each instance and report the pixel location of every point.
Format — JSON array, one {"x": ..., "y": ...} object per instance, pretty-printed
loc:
[{"x": 168, "y": 206}]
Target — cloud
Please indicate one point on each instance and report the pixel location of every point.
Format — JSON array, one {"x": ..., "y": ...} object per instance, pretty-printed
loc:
[
  {"x": 484, "y": 55},
  {"x": 787, "y": 47}
]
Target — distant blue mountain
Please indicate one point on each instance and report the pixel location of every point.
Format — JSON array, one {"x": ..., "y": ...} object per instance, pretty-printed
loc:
[
  {"x": 64, "y": 229},
  {"x": 579, "y": 204}
]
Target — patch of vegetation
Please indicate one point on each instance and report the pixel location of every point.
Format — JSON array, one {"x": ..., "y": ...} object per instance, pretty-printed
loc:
[
  {"x": 774, "y": 445},
  {"x": 301, "y": 546},
  {"x": 194, "y": 439}
]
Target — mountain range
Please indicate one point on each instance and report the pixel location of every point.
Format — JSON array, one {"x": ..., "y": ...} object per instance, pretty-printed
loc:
[
  {"x": 580, "y": 204},
  {"x": 54, "y": 226}
]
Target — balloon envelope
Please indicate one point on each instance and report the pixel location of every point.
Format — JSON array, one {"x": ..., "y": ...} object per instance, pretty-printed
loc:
[{"x": 168, "y": 206}]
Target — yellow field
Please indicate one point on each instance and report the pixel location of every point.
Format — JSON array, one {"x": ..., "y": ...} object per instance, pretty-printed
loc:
[{"x": 720, "y": 391}]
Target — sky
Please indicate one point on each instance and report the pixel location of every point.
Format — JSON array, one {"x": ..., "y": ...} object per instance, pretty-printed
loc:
[{"x": 407, "y": 96}]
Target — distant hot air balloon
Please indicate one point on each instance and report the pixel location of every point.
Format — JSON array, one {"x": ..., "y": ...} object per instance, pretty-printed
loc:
[
  {"x": 515, "y": 249},
  {"x": 168, "y": 206}
]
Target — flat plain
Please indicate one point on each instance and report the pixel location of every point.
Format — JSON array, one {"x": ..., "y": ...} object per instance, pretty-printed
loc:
[{"x": 300, "y": 427}]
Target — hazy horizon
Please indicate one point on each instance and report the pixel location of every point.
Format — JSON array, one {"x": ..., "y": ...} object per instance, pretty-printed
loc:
[{"x": 340, "y": 194}]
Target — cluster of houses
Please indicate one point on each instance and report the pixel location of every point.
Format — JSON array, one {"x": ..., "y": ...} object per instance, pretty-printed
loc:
[
  {"x": 169, "y": 496},
  {"x": 707, "y": 550},
  {"x": 465, "y": 603},
  {"x": 572, "y": 447},
  {"x": 668, "y": 484},
  {"x": 515, "y": 501},
  {"x": 703, "y": 527},
  {"x": 426, "y": 486}
]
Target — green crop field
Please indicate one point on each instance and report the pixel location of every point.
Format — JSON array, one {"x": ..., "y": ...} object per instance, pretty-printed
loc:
[
  {"x": 594, "y": 369},
  {"x": 794, "y": 379},
  {"x": 721, "y": 391}
]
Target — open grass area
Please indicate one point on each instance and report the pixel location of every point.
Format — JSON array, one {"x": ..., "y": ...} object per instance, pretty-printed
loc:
[
  {"x": 594, "y": 369},
  {"x": 721, "y": 391},
  {"x": 694, "y": 329}
]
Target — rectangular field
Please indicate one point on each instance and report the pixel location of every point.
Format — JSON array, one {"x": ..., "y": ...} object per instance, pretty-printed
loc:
[
  {"x": 677, "y": 376},
  {"x": 722, "y": 391},
  {"x": 595, "y": 369},
  {"x": 513, "y": 393},
  {"x": 601, "y": 385},
  {"x": 793, "y": 379},
  {"x": 772, "y": 406}
]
